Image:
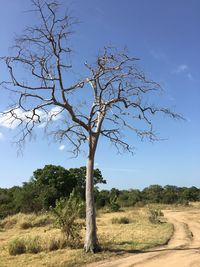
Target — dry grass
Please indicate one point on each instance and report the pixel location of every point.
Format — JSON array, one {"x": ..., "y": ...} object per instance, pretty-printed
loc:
[
  {"x": 114, "y": 239},
  {"x": 25, "y": 221},
  {"x": 139, "y": 234}
]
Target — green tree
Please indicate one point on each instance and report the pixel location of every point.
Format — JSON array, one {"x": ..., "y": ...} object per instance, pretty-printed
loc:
[
  {"x": 170, "y": 194},
  {"x": 79, "y": 175},
  {"x": 53, "y": 183},
  {"x": 27, "y": 198},
  {"x": 190, "y": 194},
  {"x": 153, "y": 193}
]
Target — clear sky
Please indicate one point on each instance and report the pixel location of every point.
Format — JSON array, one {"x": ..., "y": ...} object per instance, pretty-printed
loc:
[{"x": 165, "y": 36}]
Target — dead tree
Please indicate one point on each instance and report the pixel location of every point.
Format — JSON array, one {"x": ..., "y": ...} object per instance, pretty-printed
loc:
[{"x": 116, "y": 95}]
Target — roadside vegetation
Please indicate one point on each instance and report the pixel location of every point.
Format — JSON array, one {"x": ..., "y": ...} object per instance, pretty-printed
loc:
[
  {"x": 42, "y": 222},
  {"x": 52, "y": 183},
  {"x": 44, "y": 244}
]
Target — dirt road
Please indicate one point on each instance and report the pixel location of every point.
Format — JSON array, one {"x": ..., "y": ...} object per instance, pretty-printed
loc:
[{"x": 183, "y": 250}]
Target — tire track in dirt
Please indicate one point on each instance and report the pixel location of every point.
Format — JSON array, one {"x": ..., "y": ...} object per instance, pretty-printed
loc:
[{"x": 182, "y": 250}]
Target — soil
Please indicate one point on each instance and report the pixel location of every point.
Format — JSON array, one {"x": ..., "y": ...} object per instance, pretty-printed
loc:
[{"x": 183, "y": 250}]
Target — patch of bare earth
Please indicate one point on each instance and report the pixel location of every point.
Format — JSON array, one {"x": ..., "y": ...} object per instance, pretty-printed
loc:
[{"x": 183, "y": 250}]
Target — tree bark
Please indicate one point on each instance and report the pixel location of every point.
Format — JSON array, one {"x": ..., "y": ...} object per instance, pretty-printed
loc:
[{"x": 91, "y": 243}]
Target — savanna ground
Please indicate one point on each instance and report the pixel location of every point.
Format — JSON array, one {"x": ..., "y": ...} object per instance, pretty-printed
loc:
[{"x": 137, "y": 243}]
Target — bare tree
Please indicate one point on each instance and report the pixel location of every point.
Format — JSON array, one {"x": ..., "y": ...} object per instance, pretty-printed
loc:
[{"x": 116, "y": 95}]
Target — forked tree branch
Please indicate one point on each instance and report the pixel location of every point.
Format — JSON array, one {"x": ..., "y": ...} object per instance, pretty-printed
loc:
[{"x": 119, "y": 92}]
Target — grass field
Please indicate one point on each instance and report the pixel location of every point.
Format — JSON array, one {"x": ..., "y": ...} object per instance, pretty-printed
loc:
[{"x": 115, "y": 238}]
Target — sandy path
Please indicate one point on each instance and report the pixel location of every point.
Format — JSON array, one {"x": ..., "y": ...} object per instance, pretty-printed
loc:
[{"x": 183, "y": 250}]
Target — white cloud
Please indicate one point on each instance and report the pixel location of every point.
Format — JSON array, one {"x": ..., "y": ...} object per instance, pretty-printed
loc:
[
  {"x": 185, "y": 70},
  {"x": 62, "y": 147},
  {"x": 54, "y": 113},
  {"x": 181, "y": 68},
  {"x": 8, "y": 121},
  {"x": 96, "y": 164}
]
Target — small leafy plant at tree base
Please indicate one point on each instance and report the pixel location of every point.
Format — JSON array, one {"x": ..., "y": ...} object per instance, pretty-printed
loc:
[
  {"x": 66, "y": 213},
  {"x": 114, "y": 206},
  {"x": 122, "y": 220},
  {"x": 154, "y": 215}
]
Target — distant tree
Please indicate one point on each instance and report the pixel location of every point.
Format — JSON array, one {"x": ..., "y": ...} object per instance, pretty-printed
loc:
[
  {"x": 53, "y": 182},
  {"x": 114, "y": 193},
  {"x": 153, "y": 193},
  {"x": 115, "y": 91},
  {"x": 135, "y": 196},
  {"x": 9, "y": 201},
  {"x": 170, "y": 194},
  {"x": 190, "y": 194},
  {"x": 102, "y": 198},
  {"x": 79, "y": 175},
  {"x": 123, "y": 198},
  {"x": 27, "y": 198}
]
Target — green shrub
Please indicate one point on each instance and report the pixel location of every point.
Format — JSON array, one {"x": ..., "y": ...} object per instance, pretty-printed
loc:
[
  {"x": 114, "y": 206},
  {"x": 82, "y": 210},
  {"x": 154, "y": 215},
  {"x": 122, "y": 220},
  {"x": 66, "y": 213},
  {"x": 16, "y": 247}
]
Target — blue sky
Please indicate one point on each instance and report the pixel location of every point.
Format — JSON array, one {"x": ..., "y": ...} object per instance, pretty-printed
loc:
[{"x": 165, "y": 36}]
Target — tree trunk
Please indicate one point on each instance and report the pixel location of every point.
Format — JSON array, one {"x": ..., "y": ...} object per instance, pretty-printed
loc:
[{"x": 91, "y": 244}]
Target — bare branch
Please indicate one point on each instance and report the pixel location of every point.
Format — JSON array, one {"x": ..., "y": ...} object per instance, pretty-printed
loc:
[{"x": 120, "y": 92}]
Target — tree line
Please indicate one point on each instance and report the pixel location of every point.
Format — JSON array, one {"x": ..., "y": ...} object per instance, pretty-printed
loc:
[
  {"x": 44, "y": 188},
  {"x": 55, "y": 182}
]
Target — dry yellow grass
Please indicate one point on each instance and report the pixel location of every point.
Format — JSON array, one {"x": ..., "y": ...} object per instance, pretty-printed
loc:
[
  {"x": 114, "y": 239},
  {"x": 25, "y": 221}
]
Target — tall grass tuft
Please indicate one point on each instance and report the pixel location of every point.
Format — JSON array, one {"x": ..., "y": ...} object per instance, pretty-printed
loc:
[
  {"x": 16, "y": 247},
  {"x": 121, "y": 220}
]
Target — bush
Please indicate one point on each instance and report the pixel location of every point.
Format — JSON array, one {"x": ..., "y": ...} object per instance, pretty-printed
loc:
[
  {"x": 122, "y": 220},
  {"x": 114, "y": 206},
  {"x": 16, "y": 247},
  {"x": 154, "y": 215},
  {"x": 66, "y": 213}
]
